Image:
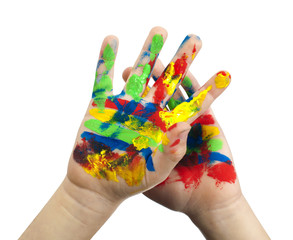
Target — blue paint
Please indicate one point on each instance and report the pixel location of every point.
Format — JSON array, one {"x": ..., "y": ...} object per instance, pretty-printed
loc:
[{"x": 215, "y": 156}]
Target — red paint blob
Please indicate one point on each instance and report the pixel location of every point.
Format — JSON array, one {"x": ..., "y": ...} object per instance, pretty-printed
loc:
[
  {"x": 180, "y": 65},
  {"x": 160, "y": 91},
  {"x": 222, "y": 172},
  {"x": 205, "y": 119},
  {"x": 190, "y": 176}
]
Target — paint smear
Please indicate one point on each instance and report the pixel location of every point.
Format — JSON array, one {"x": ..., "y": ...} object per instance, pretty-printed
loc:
[
  {"x": 185, "y": 110},
  {"x": 202, "y": 156}
]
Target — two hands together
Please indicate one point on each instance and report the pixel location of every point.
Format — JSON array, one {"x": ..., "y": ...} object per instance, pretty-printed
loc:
[{"x": 150, "y": 140}]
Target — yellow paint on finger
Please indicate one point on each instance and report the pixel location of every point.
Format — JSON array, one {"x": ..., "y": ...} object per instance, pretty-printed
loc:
[
  {"x": 170, "y": 80},
  {"x": 222, "y": 79},
  {"x": 147, "y": 89},
  {"x": 185, "y": 110}
]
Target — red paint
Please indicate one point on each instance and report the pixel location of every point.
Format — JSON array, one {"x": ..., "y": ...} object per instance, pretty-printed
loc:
[
  {"x": 180, "y": 65},
  {"x": 175, "y": 143},
  {"x": 222, "y": 172},
  {"x": 94, "y": 104},
  {"x": 205, "y": 119},
  {"x": 223, "y": 73},
  {"x": 160, "y": 92},
  {"x": 173, "y": 126},
  {"x": 190, "y": 176},
  {"x": 194, "y": 50}
]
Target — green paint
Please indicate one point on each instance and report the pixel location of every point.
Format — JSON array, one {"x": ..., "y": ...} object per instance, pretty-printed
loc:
[
  {"x": 115, "y": 131},
  {"x": 215, "y": 144},
  {"x": 161, "y": 148},
  {"x": 109, "y": 57},
  {"x": 136, "y": 83},
  {"x": 104, "y": 84},
  {"x": 156, "y": 46},
  {"x": 173, "y": 103},
  {"x": 187, "y": 82}
]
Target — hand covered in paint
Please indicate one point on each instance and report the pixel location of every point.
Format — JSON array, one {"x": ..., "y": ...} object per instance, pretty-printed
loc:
[
  {"x": 205, "y": 178},
  {"x": 129, "y": 143}
]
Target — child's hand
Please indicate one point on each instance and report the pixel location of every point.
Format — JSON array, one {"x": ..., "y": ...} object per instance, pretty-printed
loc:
[{"x": 126, "y": 144}]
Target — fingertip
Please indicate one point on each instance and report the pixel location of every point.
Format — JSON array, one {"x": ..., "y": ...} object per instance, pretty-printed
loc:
[
  {"x": 126, "y": 73},
  {"x": 159, "y": 30},
  {"x": 222, "y": 79}
]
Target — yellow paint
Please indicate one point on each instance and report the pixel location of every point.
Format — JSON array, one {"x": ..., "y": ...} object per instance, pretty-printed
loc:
[
  {"x": 209, "y": 132},
  {"x": 141, "y": 142},
  {"x": 222, "y": 80},
  {"x": 165, "y": 139},
  {"x": 145, "y": 92},
  {"x": 103, "y": 116},
  {"x": 99, "y": 167},
  {"x": 170, "y": 80},
  {"x": 98, "y": 164},
  {"x": 185, "y": 110}
]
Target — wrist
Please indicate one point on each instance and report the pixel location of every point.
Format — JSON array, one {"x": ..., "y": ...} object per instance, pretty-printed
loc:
[
  {"x": 89, "y": 207},
  {"x": 71, "y": 213},
  {"x": 235, "y": 220}
]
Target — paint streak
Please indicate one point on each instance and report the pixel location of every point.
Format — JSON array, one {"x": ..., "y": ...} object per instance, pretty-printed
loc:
[
  {"x": 185, "y": 110},
  {"x": 222, "y": 79},
  {"x": 176, "y": 142}
]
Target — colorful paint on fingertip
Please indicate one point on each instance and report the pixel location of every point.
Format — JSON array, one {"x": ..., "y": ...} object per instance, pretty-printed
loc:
[{"x": 222, "y": 79}]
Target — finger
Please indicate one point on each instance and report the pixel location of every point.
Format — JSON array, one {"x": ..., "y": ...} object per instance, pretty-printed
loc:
[
  {"x": 178, "y": 96},
  {"x": 199, "y": 102},
  {"x": 103, "y": 85},
  {"x": 166, "y": 84},
  {"x": 141, "y": 72}
]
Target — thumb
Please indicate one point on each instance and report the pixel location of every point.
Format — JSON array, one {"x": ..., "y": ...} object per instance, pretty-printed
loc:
[{"x": 174, "y": 150}]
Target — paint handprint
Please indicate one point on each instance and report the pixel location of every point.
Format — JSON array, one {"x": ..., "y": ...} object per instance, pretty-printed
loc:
[{"x": 124, "y": 133}]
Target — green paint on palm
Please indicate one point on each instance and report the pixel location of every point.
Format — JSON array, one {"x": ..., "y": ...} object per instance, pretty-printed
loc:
[
  {"x": 215, "y": 144},
  {"x": 136, "y": 83},
  {"x": 115, "y": 131}
]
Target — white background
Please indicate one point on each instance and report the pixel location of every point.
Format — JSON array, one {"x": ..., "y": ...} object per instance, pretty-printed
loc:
[{"x": 48, "y": 55}]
